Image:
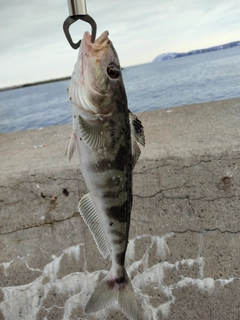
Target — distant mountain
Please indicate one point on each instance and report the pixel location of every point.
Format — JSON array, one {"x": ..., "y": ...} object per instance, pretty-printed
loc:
[{"x": 174, "y": 55}]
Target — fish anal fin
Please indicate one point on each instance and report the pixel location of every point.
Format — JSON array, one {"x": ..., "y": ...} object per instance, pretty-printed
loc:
[
  {"x": 112, "y": 291},
  {"x": 92, "y": 132},
  {"x": 90, "y": 216},
  {"x": 137, "y": 130},
  {"x": 70, "y": 146}
]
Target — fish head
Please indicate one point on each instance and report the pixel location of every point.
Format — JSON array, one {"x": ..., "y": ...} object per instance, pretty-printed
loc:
[{"x": 100, "y": 73}]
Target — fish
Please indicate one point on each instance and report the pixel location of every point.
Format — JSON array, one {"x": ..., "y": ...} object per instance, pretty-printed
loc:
[{"x": 106, "y": 136}]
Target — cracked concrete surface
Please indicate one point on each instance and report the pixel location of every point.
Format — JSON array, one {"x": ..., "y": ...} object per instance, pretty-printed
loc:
[{"x": 184, "y": 249}]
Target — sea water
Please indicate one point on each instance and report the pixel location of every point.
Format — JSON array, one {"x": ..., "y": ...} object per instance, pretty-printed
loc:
[{"x": 193, "y": 79}]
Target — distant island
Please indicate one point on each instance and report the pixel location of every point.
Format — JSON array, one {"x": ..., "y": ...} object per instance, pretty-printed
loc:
[
  {"x": 174, "y": 55},
  {"x": 34, "y": 83}
]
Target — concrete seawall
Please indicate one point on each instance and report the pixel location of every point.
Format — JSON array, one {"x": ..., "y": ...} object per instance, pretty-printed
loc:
[{"x": 184, "y": 249}]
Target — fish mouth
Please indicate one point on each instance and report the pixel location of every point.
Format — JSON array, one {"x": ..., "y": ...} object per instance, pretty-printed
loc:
[
  {"x": 96, "y": 51},
  {"x": 100, "y": 44},
  {"x": 103, "y": 39}
]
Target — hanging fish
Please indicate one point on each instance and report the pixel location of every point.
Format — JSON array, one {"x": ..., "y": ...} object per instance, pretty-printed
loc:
[{"x": 106, "y": 136}]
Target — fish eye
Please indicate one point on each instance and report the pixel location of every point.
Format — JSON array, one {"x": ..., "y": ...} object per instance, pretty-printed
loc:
[{"x": 113, "y": 72}]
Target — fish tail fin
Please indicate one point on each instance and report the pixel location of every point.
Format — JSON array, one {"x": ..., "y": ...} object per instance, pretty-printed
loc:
[
  {"x": 111, "y": 291},
  {"x": 127, "y": 299}
]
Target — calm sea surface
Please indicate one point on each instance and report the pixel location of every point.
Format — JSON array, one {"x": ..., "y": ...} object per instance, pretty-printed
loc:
[{"x": 200, "y": 78}]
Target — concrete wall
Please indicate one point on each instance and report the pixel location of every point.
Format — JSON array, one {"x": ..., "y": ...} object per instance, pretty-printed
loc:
[{"x": 184, "y": 249}]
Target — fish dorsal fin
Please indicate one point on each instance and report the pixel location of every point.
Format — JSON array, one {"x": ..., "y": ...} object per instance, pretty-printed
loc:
[
  {"x": 135, "y": 152},
  {"x": 137, "y": 130},
  {"x": 92, "y": 134},
  {"x": 137, "y": 136},
  {"x": 90, "y": 216},
  {"x": 70, "y": 146}
]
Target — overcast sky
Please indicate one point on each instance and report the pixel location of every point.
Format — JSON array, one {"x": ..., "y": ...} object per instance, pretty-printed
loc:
[{"x": 33, "y": 46}]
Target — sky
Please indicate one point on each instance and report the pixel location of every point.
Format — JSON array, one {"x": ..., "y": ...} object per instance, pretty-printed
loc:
[{"x": 33, "y": 46}]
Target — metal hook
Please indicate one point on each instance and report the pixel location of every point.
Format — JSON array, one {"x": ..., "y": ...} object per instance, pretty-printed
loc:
[
  {"x": 78, "y": 10},
  {"x": 70, "y": 20}
]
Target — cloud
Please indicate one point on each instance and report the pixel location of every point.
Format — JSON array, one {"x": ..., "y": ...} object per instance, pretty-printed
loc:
[{"x": 33, "y": 45}]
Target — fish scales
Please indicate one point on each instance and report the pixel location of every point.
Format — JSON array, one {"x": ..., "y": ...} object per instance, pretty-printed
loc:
[
  {"x": 111, "y": 188},
  {"x": 106, "y": 136}
]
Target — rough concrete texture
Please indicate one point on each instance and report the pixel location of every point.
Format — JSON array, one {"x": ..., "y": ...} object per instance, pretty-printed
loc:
[{"x": 184, "y": 249}]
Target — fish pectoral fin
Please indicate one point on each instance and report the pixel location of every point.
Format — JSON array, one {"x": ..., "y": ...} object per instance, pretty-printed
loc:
[
  {"x": 137, "y": 130},
  {"x": 92, "y": 133},
  {"x": 135, "y": 151},
  {"x": 90, "y": 216},
  {"x": 70, "y": 146}
]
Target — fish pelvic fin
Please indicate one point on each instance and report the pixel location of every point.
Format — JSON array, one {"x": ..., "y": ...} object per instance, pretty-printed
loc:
[
  {"x": 70, "y": 146},
  {"x": 111, "y": 291}
]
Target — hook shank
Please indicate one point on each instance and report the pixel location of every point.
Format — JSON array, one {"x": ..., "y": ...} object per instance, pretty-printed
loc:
[{"x": 78, "y": 11}]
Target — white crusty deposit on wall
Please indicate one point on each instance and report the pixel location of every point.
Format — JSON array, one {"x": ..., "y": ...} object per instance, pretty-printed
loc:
[{"x": 27, "y": 300}]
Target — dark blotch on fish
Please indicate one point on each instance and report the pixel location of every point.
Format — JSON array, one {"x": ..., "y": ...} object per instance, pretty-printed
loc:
[
  {"x": 112, "y": 195},
  {"x": 118, "y": 241},
  {"x": 118, "y": 233},
  {"x": 120, "y": 280},
  {"x": 120, "y": 258},
  {"x": 118, "y": 213},
  {"x": 119, "y": 158},
  {"x": 117, "y": 164}
]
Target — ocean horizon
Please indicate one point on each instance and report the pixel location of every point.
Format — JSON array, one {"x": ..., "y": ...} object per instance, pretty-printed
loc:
[{"x": 186, "y": 80}]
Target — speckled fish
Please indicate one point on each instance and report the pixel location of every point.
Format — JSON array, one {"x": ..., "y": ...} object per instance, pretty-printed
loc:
[{"x": 106, "y": 136}]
